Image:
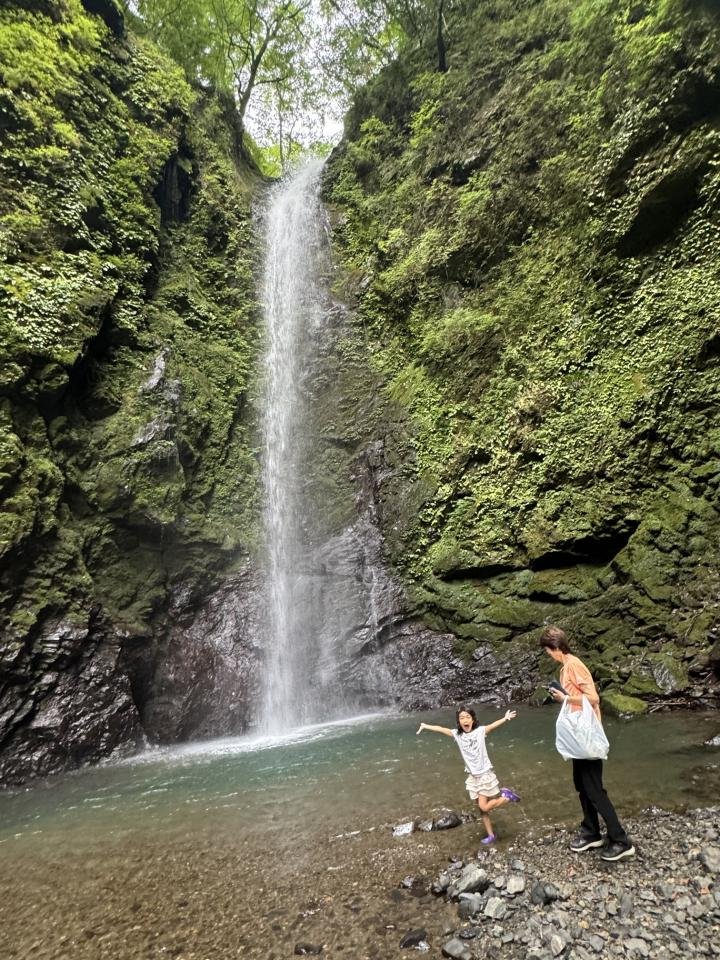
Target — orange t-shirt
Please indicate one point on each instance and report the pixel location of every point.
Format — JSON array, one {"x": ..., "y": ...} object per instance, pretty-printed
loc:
[{"x": 577, "y": 680}]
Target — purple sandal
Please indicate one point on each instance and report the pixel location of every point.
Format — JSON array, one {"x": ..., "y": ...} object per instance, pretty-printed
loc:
[
  {"x": 510, "y": 795},
  {"x": 490, "y": 838}
]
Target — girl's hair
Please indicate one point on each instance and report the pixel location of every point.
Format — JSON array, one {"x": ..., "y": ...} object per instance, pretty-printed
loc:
[
  {"x": 457, "y": 718},
  {"x": 553, "y": 638}
]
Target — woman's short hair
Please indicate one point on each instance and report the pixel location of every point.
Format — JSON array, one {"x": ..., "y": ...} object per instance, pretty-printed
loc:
[
  {"x": 457, "y": 718},
  {"x": 553, "y": 638}
]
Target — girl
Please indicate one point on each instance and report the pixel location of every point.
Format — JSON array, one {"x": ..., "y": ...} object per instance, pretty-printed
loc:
[{"x": 481, "y": 784}]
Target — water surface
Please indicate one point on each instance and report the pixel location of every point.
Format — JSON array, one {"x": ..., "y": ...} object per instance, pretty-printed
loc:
[{"x": 244, "y": 847}]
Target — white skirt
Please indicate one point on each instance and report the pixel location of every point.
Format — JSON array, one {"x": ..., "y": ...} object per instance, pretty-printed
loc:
[{"x": 484, "y": 784}]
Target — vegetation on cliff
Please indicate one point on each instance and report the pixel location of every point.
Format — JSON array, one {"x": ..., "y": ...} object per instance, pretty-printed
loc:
[
  {"x": 127, "y": 314},
  {"x": 531, "y": 240}
]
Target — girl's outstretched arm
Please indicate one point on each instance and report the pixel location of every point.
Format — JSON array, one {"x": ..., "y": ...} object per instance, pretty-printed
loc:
[
  {"x": 433, "y": 729},
  {"x": 509, "y": 715}
]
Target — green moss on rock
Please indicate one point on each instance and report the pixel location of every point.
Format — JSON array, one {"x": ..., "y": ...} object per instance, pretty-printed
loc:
[
  {"x": 619, "y": 705},
  {"x": 529, "y": 239}
]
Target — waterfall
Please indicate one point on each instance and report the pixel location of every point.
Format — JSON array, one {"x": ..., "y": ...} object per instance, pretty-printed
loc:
[{"x": 299, "y": 671}]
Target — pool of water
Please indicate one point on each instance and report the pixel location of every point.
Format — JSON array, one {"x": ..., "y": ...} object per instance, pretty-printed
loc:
[{"x": 124, "y": 859}]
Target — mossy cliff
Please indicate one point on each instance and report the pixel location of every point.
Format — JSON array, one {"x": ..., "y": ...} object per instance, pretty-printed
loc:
[
  {"x": 531, "y": 245},
  {"x": 128, "y": 337}
]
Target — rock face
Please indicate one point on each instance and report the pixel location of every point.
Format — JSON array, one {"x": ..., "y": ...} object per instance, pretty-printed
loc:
[
  {"x": 128, "y": 601},
  {"x": 525, "y": 239}
]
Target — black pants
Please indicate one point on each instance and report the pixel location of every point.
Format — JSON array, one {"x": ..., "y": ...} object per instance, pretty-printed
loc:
[{"x": 587, "y": 777}]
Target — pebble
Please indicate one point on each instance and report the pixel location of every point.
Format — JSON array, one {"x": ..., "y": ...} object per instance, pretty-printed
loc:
[
  {"x": 635, "y": 945},
  {"x": 515, "y": 885},
  {"x": 404, "y": 829},
  {"x": 308, "y": 949},
  {"x": 660, "y": 905},
  {"x": 710, "y": 859},
  {"x": 415, "y": 938},
  {"x": 456, "y": 950},
  {"x": 495, "y": 908}
]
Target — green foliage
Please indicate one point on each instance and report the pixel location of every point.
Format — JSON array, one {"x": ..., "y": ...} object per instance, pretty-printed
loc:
[
  {"x": 531, "y": 239},
  {"x": 127, "y": 332}
]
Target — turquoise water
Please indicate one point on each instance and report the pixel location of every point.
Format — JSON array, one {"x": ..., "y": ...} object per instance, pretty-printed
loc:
[
  {"x": 368, "y": 771},
  {"x": 241, "y": 848}
]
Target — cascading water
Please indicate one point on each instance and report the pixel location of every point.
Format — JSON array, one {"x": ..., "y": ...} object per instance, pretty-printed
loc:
[{"x": 298, "y": 670}]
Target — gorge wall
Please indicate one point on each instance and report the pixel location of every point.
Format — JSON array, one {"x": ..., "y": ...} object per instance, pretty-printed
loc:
[
  {"x": 129, "y": 338},
  {"x": 531, "y": 245},
  {"x": 516, "y": 389}
]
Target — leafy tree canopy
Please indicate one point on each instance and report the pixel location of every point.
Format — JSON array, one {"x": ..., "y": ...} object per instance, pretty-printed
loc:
[{"x": 291, "y": 64}]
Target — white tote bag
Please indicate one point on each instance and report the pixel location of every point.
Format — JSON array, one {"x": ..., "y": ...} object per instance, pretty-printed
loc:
[{"x": 579, "y": 734}]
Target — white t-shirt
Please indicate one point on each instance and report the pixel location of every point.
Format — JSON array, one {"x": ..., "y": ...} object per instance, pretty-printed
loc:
[{"x": 473, "y": 750}]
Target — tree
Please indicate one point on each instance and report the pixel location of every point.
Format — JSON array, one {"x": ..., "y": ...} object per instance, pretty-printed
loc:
[{"x": 237, "y": 45}]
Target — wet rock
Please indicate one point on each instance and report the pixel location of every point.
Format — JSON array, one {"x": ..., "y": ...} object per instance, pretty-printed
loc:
[
  {"x": 404, "y": 829},
  {"x": 472, "y": 879},
  {"x": 470, "y": 904},
  {"x": 455, "y": 949},
  {"x": 308, "y": 949},
  {"x": 447, "y": 821},
  {"x": 425, "y": 826},
  {"x": 713, "y": 741},
  {"x": 417, "y": 939},
  {"x": 468, "y": 933},
  {"x": 441, "y": 884}
]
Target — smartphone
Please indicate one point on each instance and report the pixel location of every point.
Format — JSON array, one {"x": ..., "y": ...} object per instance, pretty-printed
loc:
[{"x": 554, "y": 685}]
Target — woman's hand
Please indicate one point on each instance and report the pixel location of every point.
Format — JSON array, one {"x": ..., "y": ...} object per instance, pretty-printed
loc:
[
  {"x": 510, "y": 714},
  {"x": 420, "y": 729},
  {"x": 557, "y": 696}
]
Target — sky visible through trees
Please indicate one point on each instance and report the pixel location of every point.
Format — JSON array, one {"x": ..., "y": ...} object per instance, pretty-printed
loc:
[{"x": 291, "y": 65}]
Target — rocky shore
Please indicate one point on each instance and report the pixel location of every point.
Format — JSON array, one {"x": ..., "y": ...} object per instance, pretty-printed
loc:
[{"x": 539, "y": 901}]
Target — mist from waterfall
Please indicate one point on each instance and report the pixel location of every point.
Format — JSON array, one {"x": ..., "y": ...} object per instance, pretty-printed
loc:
[{"x": 300, "y": 667}]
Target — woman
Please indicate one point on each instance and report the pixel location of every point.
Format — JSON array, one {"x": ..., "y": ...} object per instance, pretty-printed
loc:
[{"x": 577, "y": 682}]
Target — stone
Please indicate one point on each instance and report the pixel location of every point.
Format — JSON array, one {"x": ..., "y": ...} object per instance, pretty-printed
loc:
[
  {"x": 627, "y": 905},
  {"x": 619, "y": 705},
  {"x": 447, "y": 821},
  {"x": 596, "y": 942},
  {"x": 557, "y": 944},
  {"x": 455, "y": 949},
  {"x": 308, "y": 949},
  {"x": 495, "y": 908},
  {"x": 636, "y": 946},
  {"x": 710, "y": 859},
  {"x": 544, "y": 893},
  {"x": 470, "y": 905},
  {"x": 415, "y": 938},
  {"x": 472, "y": 879},
  {"x": 441, "y": 884},
  {"x": 425, "y": 826},
  {"x": 515, "y": 885},
  {"x": 404, "y": 829},
  {"x": 697, "y": 909}
]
